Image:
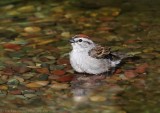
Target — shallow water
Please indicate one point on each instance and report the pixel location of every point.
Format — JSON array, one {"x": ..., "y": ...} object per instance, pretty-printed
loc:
[{"x": 35, "y": 73}]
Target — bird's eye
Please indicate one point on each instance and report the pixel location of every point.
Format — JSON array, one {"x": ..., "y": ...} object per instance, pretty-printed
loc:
[{"x": 80, "y": 40}]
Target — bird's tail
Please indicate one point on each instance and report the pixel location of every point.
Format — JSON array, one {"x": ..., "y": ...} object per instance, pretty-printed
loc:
[{"x": 117, "y": 56}]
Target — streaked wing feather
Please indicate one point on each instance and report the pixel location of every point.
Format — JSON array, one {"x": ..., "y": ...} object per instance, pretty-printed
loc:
[
  {"x": 99, "y": 52},
  {"x": 105, "y": 52}
]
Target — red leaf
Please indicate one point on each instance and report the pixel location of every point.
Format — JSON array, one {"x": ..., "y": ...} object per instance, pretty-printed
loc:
[
  {"x": 66, "y": 78},
  {"x": 118, "y": 71},
  {"x": 130, "y": 73},
  {"x": 12, "y": 46},
  {"x": 130, "y": 41},
  {"x": 142, "y": 68},
  {"x": 58, "y": 72},
  {"x": 106, "y": 19}
]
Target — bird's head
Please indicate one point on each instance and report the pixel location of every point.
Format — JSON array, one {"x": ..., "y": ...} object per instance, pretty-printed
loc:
[{"x": 81, "y": 42}]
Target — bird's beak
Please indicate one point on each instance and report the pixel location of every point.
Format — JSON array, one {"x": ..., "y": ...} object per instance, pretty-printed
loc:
[{"x": 72, "y": 40}]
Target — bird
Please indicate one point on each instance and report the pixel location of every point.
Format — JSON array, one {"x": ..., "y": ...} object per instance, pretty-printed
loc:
[{"x": 88, "y": 57}]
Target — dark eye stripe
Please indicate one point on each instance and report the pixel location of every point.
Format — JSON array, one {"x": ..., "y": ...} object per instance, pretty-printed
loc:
[{"x": 87, "y": 42}]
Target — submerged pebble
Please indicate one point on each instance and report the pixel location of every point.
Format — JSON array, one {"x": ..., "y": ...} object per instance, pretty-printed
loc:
[
  {"x": 27, "y": 76},
  {"x": 58, "y": 72},
  {"x": 3, "y": 87},
  {"x": 30, "y": 95},
  {"x": 56, "y": 67},
  {"x": 15, "y": 92},
  {"x": 13, "y": 82},
  {"x": 43, "y": 77},
  {"x": 130, "y": 73},
  {"x": 97, "y": 98},
  {"x": 142, "y": 68},
  {"x": 59, "y": 86},
  {"x": 28, "y": 91},
  {"x": 21, "y": 80},
  {"x": 2, "y": 81},
  {"x": 65, "y": 34},
  {"x": 26, "y": 9},
  {"x": 37, "y": 84},
  {"x": 3, "y": 93},
  {"x": 32, "y": 29}
]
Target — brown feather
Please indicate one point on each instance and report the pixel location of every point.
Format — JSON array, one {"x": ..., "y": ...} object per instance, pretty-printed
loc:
[{"x": 99, "y": 52}]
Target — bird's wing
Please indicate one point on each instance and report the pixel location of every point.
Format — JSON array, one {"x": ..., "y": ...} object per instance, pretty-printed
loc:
[{"x": 99, "y": 52}]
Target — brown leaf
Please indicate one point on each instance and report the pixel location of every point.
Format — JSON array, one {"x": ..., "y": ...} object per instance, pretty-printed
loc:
[
  {"x": 21, "y": 69},
  {"x": 37, "y": 84},
  {"x": 15, "y": 92},
  {"x": 63, "y": 61},
  {"x": 8, "y": 71},
  {"x": 104, "y": 29},
  {"x": 106, "y": 19},
  {"x": 42, "y": 70}
]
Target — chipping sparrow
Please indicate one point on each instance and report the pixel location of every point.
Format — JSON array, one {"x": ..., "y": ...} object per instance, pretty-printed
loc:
[{"x": 88, "y": 57}]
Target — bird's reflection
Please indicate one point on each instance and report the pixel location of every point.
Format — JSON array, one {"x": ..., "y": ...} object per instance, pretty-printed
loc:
[{"x": 83, "y": 86}]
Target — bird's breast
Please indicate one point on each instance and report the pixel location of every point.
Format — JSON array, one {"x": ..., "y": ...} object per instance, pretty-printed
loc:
[{"x": 79, "y": 56}]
